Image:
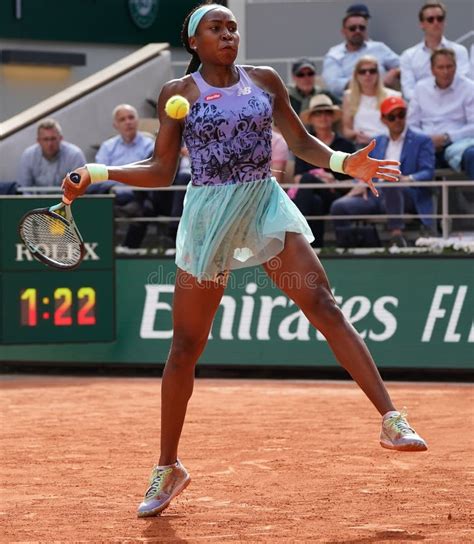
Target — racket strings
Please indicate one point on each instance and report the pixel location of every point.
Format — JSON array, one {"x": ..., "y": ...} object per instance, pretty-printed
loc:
[{"x": 51, "y": 237}]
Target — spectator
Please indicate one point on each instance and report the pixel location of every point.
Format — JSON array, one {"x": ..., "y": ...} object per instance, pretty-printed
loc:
[
  {"x": 50, "y": 159},
  {"x": 416, "y": 154},
  {"x": 304, "y": 85},
  {"x": 361, "y": 104},
  {"x": 415, "y": 61},
  {"x": 128, "y": 146},
  {"x": 340, "y": 60},
  {"x": 280, "y": 154},
  {"x": 443, "y": 109},
  {"x": 321, "y": 115}
]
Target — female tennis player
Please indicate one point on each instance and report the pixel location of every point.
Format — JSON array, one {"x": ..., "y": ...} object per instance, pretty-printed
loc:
[{"x": 236, "y": 215}]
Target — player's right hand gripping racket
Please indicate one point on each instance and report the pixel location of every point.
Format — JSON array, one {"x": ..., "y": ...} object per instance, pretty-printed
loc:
[{"x": 51, "y": 235}]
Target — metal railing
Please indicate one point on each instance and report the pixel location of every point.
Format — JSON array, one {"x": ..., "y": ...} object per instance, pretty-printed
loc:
[{"x": 445, "y": 217}]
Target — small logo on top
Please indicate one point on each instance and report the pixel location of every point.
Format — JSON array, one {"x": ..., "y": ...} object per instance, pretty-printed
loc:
[
  {"x": 213, "y": 96},
  {"x": 244, "y": 90}
]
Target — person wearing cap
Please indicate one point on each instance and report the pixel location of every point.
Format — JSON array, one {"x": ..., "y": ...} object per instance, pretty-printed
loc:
[
  {"x": 340, "y": 60},
  {"x": 443, "y": 109},
  {"x": 415, "y": 61},
  {"x": 358, "y": 9},
  {"x": 416, "y": 153},
  {"x": 321, "y": 116},
  {"x": 304, "y": 85}
]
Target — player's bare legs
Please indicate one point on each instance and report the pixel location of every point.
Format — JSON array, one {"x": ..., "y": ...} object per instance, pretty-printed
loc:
[
  {"x": 298, "y": 272},
  {"x": 194, "y": 307}
]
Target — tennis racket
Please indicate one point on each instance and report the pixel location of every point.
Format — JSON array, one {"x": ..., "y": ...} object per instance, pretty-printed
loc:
[{"x": 51, "y": 235}]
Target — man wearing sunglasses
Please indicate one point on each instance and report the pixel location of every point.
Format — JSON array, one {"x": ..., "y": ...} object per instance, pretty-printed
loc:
[
  {"x": 304, "y": 86},
  {"x": 416, "y": 155},
  {"x": 415, "y": 61},
  {"x": 340, "y": 60}
]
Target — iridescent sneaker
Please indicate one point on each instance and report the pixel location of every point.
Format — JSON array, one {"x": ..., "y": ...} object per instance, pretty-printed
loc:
[
  {"x": 398, "y": 435},
  {"x": 165, "y": 484}
]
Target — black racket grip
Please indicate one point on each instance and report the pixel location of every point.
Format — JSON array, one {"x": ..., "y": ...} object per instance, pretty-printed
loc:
[{"x": 75, "y": 177}]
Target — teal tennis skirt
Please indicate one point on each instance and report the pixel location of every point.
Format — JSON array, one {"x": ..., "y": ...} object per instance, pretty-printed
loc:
[{"x": 224, "y": 227}]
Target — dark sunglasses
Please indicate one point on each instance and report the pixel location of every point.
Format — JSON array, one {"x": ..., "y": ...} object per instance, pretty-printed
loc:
[
  {"x": 364, "y": 71},
  {"x": 433, "y": 18},
  {"x": 360, "y": 28},
  {"x": 305, "y": 74},
  {"x": 322, "y": 112},
  {"x": 401, "y": 115}
]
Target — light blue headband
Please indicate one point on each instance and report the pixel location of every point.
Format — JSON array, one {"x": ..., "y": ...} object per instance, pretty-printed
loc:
[{"x": 196, "y": 17}]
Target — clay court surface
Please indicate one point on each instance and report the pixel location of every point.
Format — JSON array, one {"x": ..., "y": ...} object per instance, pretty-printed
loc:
[{"x": 271, "y": 461}]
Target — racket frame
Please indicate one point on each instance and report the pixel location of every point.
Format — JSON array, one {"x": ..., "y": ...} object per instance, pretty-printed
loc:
[{"x": 68, "y": 221}]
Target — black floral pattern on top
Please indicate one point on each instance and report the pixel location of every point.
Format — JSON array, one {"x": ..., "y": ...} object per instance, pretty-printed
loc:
[{"x": 230, "y": 145}]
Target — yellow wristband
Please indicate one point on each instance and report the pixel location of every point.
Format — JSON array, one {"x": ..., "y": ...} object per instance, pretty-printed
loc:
[
  {"x": 97, "y": 172},
  {"x": 336, "y": 161}
]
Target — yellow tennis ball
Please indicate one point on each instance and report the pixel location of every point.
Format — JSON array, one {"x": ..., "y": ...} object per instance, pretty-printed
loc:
[
  {"x": 56, "y": 228},
  {"x": 177, "y": 107}
]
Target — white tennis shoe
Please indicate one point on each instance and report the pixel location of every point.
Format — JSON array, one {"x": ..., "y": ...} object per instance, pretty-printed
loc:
[
  {"x": 166, "y": 483},
  {"x": 398, "y": 435}
]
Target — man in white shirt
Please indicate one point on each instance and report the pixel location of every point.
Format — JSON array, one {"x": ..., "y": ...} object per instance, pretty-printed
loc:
[
  {"x": 415, "y": 61},
  {"x": 443, "y": 109},
  {"x": 340, "y": 60}
]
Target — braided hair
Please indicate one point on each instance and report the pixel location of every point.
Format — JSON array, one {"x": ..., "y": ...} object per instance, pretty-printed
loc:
[{"x": 195, "y": 61}]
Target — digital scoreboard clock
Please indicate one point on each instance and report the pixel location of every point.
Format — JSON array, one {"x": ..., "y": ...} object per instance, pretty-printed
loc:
[
  {"x": 44, "y": 306},
  {"x": 62, "y": 315},
  {"x": 57, "y": 307}
]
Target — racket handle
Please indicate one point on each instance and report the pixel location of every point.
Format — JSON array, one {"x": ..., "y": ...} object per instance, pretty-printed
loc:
[{"x": 75, "y": 177}]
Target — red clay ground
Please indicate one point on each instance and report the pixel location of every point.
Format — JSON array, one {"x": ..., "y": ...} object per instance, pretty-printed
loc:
[{"x": 271, "y": 461}]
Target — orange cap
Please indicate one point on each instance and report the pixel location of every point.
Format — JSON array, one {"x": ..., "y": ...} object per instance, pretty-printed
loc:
[{"x": 392, "y": 103}]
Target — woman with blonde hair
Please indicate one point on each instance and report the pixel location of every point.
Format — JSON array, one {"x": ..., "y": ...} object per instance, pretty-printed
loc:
[{"x": 361, "y": 103}]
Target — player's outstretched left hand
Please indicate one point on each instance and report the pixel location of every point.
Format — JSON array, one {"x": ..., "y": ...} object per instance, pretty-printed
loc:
[
  {"x": 73, "y": 190},
  {"x": 359, "y": 165}
]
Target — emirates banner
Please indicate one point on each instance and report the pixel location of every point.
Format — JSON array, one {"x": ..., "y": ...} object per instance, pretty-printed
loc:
[{"x": 411, "y": 312}]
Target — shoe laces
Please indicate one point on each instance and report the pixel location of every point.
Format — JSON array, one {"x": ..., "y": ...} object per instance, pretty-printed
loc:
[
  {"x": 399, "y": 423},
  {"x": 156, "y": 480}
]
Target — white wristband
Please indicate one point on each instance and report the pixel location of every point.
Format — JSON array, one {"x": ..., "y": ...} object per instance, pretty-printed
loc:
[
  {"x": 336, "y": 161},
  {"x": 97, "y": 172}
]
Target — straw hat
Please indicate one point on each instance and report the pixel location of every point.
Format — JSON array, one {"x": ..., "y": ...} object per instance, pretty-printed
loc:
[{"x": 320, "y": 102}]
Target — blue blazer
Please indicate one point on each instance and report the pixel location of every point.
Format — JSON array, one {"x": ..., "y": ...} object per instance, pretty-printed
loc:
[{"x": 417, "y": 158}]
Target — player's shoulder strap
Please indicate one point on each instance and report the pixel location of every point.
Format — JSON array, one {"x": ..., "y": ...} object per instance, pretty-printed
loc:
[{"x": 199, "y": 80}]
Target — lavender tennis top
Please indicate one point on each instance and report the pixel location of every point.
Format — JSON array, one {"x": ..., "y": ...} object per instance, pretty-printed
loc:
[{"x": 228, "y": 132}]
